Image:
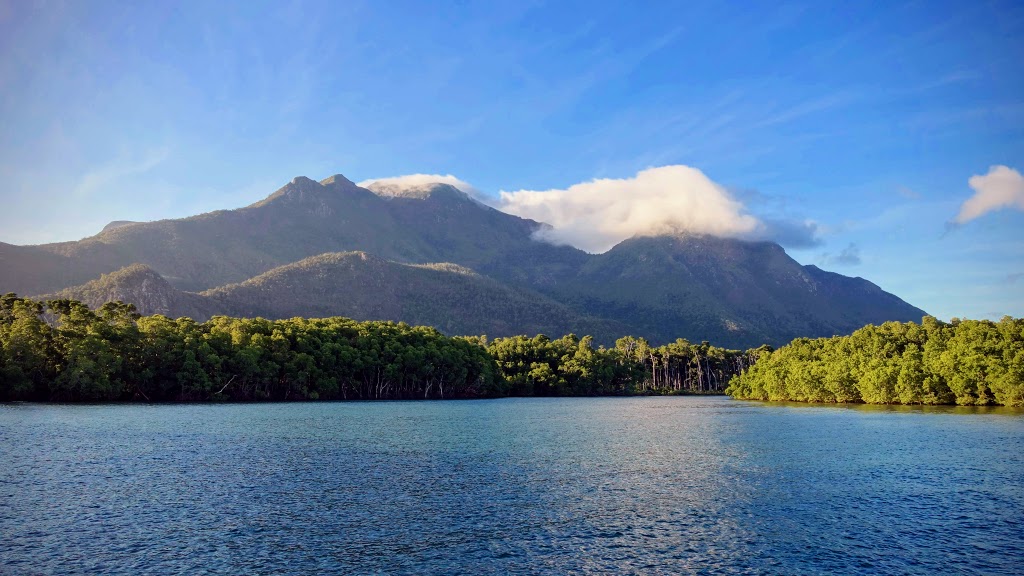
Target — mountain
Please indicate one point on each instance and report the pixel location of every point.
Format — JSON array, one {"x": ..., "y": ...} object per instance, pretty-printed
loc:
[
  {"x": 290, "y": 255},
  {"x": 724, "y": 290},
  {"x": 303, "y": 218},
  {"x": 357, "y": 285},
  {"x": 452, "y": 227},
  {"x": 142, "y": 286},
  {"x": 117, "y": 224},
  {"x": 450, "y": 297}
]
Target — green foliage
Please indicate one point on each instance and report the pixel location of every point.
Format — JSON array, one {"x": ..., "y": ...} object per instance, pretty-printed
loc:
[
  {"x": 356, "y": 285},
  {"x": 64, "y": 351},
  {"x": 571, "y": 366},
  {"x": 969, "y": 362}
]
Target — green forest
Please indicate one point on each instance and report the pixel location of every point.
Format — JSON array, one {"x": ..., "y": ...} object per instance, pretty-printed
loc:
[
  {"x": 966, "y": 362},
  {"x": 63, "y": 351}
]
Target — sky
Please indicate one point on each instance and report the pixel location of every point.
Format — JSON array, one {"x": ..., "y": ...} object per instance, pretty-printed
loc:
[{"x": 876, "y": 139}]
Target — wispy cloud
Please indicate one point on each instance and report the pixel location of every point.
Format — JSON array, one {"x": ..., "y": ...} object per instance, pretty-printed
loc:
[
  {"x": 107, "y": 174},
  {"x": 908, "y": 193},
  {"x": 956, "y": 77},
  {"x": 806, "y": 108},
  {"x": 1002, "y": 187},
  {"x": 990, "y": 117},
  {"x": 791, "y": 233},
  {"x": 849, "y": 256},
  {"x": 547, "y": 96}
]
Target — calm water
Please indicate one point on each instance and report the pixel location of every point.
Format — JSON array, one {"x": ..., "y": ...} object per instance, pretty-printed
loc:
[{"x": 640, "y": 485}]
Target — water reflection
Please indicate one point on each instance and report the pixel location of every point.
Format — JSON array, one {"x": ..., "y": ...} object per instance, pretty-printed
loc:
[
  {"x": 639, "y": 485},
  {"x": 898, "y": 408}
]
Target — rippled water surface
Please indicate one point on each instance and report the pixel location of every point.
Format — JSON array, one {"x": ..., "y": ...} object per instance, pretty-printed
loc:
[{"x": 610, "y": 485}]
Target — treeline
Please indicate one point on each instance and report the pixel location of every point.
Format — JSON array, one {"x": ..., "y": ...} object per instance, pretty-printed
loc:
[
  {"x": 969, "y": 362},
  {"x": 63, "y": 351},
  {"x": 572, "y": 366}
]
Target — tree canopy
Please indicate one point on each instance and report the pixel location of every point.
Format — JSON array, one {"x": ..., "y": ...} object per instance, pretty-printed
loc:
[
  {"x": 62, "y": 350},
  {"x": 966, "y": 362}
]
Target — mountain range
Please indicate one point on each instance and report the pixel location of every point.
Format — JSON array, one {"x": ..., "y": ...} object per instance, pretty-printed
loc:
[{"x": 430, "y": 254}]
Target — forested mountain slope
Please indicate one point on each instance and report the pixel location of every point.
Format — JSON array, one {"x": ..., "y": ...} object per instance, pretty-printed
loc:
[
  {"x": 451, "y": 298},
  {"x": 140, "y": 285},
  {"x": 731, "y": 292},
  {"x": 360, "y": 286},
  {"x": 724, "y": 290}
]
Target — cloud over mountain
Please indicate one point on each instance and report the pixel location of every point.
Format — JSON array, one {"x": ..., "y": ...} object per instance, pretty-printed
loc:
[
  {"x": 414, "y": 180},
  {"x": 1002, "y": 187},
  {"x": 596, "y": 215}
]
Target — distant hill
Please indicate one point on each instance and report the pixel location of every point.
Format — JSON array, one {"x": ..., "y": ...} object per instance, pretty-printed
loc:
[
  {"x": 117, "y": 224},
  {"x": 291, "y": 255},
  {"x": 356, "y": 285},
  {"x": 142, "y": 286},
  {"x": 452, "y": 298}
]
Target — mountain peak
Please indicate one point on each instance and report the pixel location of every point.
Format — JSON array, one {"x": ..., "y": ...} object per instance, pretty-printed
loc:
[
  {"x": 142, "y": 286},
  {"x": 135, "y": 270},
  {"x": 298, "y": 185},
  {"x": 117, "y": 224},
  {"x": 337, "y": 179},
  {"x": 321, "y": 198},
  {"x": 301, "y": 190}
]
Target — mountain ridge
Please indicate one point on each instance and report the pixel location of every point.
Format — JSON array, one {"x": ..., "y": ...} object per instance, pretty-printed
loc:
[
  {"x": 357, "y": 285},
  {"x": 700, "y": 287},
  {"x": 720, "y": 286}
]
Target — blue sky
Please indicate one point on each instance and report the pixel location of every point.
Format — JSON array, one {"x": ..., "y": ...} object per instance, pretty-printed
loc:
[{"x": 863, "y": 122}]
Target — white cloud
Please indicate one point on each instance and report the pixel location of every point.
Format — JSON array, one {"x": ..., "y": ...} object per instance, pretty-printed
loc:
[
  {"x": 414, "y": 180},
  {"x": 1002, "y": 187},
  {"x": 596, "y": 215},
  {"x": 100, "y": 177}
]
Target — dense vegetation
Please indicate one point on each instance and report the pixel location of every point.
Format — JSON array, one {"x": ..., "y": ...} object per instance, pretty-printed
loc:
[
  {"x": 572, "y": 366},
  {"x": 735, "y": 293},
  {"x": 965, "y": 362},
  {"x": 355, "y": 285},
  {"x": 62, "y": 350}
]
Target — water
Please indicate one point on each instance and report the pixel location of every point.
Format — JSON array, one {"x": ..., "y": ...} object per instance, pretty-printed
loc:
[{"x": 612, "y": 485}]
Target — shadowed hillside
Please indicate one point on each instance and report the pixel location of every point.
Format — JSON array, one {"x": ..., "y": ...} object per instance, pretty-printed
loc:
[
  {"x": 304, "y": 218},
  {"x": 454, "y": 299},
  {"x": 283, "y": 257},
  {"x": 724, "y": 290},
  {"x": 355, "y": 285},
  {"x": 140, "y": 285}
]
